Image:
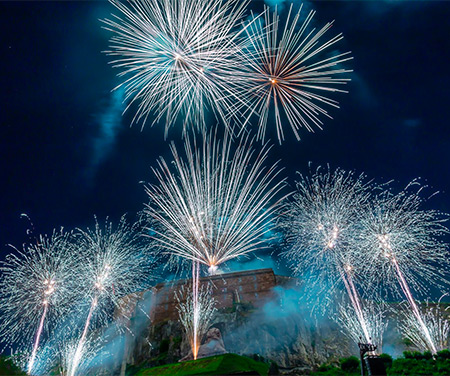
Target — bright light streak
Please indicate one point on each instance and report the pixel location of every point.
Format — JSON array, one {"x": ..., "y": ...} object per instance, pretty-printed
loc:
[{"x": 196, "y": 308}]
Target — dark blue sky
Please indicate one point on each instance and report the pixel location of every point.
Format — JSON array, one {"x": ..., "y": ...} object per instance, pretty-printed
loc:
[{"x": 67, "y": 154}]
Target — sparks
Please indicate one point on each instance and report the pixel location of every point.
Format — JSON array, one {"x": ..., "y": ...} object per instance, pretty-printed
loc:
[
  {"x": 115, "y": 265},
  {"x": 178, "y": 57},
  {"x": 404, "y": 247},
  {"x": 320, "y": 224},
  {"x": 196, "y": 308},
  {"x": 374, "y": 314},
  {"x": 286, "y": 70},
  {"x": 36, "y": 288},
  {"x": 437, "y": 322},
  {"x": 215, "y": 204}
]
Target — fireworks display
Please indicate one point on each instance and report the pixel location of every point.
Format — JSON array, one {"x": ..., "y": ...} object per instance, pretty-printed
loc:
[
  {"x": 320, "y": 225},
  {"x": 399, "y": 236},
  {"x": 89, "y": 352},
  {"x": 215, "y": 204},
  {"x": 219, "y": 198},
  {"x": 291, "y": 70},
  {"x": 340, "y": 226},
  {"x": 178, "y": 57},
  {"x": 321, "y": 221},
  {"x": 37, "y": 287},
  {"x": 115, "y": 265},
  {"x": 404, "y": 246}
]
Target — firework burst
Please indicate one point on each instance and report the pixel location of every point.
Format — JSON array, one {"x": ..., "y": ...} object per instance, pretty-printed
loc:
[
  {"x": 436, "y": 320},
  {"x": 115, "y": 265},
  {"x": 320, "y": 224},
  {"x": 374, "y": 315},
  {"x": 397, "y": 235},
  {"x": 291, "y": 71},
  {"x": 404, "y": 247},
  {"x": 321, "y": 221},
  {"x": 36, "y": 288},
  {"x": 215, "y": 204},
  {"x": 178, "y": 57},
  {"x": 93, "y": 346}
]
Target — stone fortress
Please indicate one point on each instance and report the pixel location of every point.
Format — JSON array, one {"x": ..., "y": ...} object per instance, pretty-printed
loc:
[{"x": 258, "y": 312}]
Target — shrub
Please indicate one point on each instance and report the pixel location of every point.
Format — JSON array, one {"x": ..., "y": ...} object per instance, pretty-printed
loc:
[
  {"x": 413, "y": 355},
  {"x": 350, "y": 364},
  {"x": 408, "y": 355},
  {"x": 324, "y": 368},
  {"x": 444, "y": 354},
  {"x": 7, "y": 367},
  {"x": 329, "y": 370},
  {"x": 387, "y": 360},
  {"x": 273, "y": 368}
]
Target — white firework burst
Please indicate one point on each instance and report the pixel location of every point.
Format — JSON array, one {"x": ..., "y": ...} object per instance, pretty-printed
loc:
[
  {"x": 319, "y": 226},
  {"x": 291, "y": 71},
  {"x": 37, "y": 287},
  {"x": 115, "y": 264},
  {"x": 436, "y": 319},
  {"x": 320, "y": 223},
  {"x": 178, "y": 57},
  {"x": 374, "y": 314},
  {"x": 400, "y": 237},
  {"x": 404, "y": 247},
  {"x": 91, "y": 351},
  {"x": 214, "y": 204},
  {"x": 115, "y": 261}
]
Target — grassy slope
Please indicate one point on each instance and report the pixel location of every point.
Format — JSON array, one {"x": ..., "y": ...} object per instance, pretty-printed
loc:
[
  {"x": 214, "y": 365},
  {"x": 412, "y": 364},
  {"x": 7, "y": 367}
]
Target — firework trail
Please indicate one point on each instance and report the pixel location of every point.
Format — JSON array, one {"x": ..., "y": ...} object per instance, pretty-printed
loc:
[
  {"x": 320, "y": 224},
  {"x": 196, "y": 308},
  {"x": 69, "y": 350},
  {"x": 437, "y": 322},
  {"x": 215, "y": 204},
  {"x": 178, "y": 56},
  {"x": 36, "y": 288},
  {"x": 355, "y": 300},
  {"x": 404, "y": 245},
  {"x": 115, "y": 265},
  {"x": 374, "y": 315},
  {"x": 288, "y": 69}
]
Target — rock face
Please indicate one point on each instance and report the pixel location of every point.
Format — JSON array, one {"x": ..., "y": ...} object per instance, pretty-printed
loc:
[
  {"x": 290, "y": 338},
  {"x": 287, "y": 338},
  {"x": 259, "y": 314},
  {"x": 213, "y": 345}
]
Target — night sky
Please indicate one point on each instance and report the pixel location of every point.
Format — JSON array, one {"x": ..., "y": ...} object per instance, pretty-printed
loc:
[{"x": 67, "y": 153}]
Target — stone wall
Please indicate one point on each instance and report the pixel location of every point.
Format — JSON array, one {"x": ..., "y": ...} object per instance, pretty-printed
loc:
[{"x": 252, "y": 287}]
